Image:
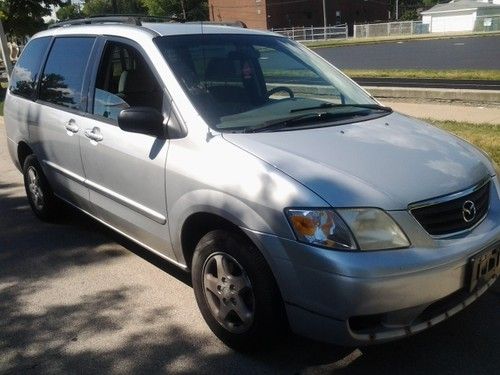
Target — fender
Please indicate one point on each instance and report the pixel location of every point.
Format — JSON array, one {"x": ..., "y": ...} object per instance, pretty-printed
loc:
[{"x": 225, "y": 206}]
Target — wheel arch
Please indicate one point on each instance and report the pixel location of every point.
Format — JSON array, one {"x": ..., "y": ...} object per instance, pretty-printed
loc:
[
  {"x": 203, "y": 210},
  {"x": 199, "y": 224},
  {"x": 23, "y": 151}
]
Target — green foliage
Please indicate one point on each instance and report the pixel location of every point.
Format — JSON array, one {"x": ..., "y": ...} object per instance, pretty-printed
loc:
[
  {"x": 409, "y": 9},
  {"x": 23, "y": 18},
  {"x": 100, "y": 7},
  {"x": 409, "y": 15},
  {"x": 194, "y": 10},
  {"x": 429, "y": 3},
  {"x": 484, "y": 136},
  {"x": 68, "y": 12},
  {"x": 453, "y": 74}
]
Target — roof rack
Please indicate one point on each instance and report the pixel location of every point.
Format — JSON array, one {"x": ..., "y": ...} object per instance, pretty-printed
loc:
[
  {"x": 130, "y": 19},
  {"x": 241, "y": 24}
]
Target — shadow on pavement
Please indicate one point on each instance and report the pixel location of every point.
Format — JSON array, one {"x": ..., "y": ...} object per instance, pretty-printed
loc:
[
  {"x": 71, "y": 240},
  {"x": 115, "y": 331},
  {"x": 40, "y": 339}
]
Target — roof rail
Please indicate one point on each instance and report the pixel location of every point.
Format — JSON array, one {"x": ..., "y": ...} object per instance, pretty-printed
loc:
[
  {"x": 227, "y": 23},
  {"x": 131, "y": 19}
]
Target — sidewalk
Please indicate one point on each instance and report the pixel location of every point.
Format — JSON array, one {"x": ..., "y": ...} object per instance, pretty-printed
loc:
[{"x": 447, "y": 112}]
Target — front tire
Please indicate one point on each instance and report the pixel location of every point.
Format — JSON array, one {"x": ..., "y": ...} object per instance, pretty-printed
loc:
[
  {"x": 236, "y": 291},
  {"x": 40, "y": 196}
]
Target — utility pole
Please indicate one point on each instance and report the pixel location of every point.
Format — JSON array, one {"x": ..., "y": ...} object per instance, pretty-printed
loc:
[
  {"x": 324, "y": 18},
  {"x": 115, "y": 6},
  {"x": 183, "y": 9},
  {"x": 397, "y": 10},
  {"x": 5, "y": 51}
]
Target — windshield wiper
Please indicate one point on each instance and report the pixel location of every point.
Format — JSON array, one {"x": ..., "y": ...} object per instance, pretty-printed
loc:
[
  {"x": 333, "y": 105},
  {"x": 298, "y": 120}
]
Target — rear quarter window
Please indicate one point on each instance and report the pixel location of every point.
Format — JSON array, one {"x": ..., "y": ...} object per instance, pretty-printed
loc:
[{"x": 24, "y": 76}]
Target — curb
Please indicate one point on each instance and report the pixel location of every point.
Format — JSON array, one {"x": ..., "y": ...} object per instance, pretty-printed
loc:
[
  {"x": 427, "y": 94},
  {"x": 465, "y": 95}
]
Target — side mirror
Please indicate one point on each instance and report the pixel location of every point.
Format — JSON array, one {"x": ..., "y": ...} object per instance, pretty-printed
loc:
[{"x": 144, "y": 120}]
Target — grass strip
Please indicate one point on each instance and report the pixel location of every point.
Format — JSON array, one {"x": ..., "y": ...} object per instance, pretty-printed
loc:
[
  {"x": 486, "y": 75},
  {"x": 484, "y": 136}
]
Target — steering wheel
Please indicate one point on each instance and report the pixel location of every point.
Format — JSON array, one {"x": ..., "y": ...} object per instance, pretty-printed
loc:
[{"x": 280, "y": 88}]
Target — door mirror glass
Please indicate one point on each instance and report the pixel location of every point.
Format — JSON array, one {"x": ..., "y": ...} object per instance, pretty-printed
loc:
[{"x": 144, "y": 120}]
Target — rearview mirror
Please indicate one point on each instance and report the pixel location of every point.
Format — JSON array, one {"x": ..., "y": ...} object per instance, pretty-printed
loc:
[{"x": 144, "y": 120}]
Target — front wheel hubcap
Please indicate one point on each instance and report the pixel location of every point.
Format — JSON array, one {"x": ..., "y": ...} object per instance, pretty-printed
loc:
[
  {"x": 34, "y": 188},
  {"x": 228, "y": 292}
]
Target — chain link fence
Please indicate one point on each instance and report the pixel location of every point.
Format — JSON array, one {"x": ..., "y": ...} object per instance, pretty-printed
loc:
[
  {"x": 481, "y": 24},
  {"x": 487, "y": 23},
  {"x": 390, "y": 29},
  {"x": 304, "y": 33}
]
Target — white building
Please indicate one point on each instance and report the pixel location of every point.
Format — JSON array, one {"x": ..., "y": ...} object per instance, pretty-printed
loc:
[{"x": 463, "y": 15}]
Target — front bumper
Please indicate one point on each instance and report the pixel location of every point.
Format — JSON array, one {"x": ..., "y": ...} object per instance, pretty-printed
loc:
[
  {"x": 357, "y": 298},
  {"x": 356, "y": 310},
  {"x": 323, "y": 328}
]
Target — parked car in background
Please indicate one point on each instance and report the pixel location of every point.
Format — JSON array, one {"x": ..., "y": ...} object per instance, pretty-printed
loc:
[{"x": 290, "y": 194}]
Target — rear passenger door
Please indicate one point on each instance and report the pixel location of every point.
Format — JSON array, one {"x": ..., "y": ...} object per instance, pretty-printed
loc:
[
  {"x": 56, "y": 131},
  {"x": 126, "y": 171}
]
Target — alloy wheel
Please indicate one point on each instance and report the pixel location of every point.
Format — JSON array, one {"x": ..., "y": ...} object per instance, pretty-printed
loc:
[
  {"x": 228, "y": 292},
  {"x": 35, "y": 190}
]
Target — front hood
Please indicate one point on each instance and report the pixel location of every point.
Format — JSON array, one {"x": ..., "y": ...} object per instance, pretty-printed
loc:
[{"x": 388, "y": 162}]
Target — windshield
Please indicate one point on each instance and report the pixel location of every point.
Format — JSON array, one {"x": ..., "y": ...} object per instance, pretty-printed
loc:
[{"x": 242, "y": 82}]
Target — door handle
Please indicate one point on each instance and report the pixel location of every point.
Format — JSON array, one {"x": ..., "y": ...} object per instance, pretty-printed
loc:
[
  {"x": 94, "y": 134},
  {"x": 71, "y": 126}
]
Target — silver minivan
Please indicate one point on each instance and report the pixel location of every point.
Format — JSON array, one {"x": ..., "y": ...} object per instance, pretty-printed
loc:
[{"x": 291, "y": 195}]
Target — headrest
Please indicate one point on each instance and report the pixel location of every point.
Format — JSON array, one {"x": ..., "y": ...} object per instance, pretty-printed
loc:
[
  {"x": 138, "y": 80},
  {"x": 221, "y": 69}
]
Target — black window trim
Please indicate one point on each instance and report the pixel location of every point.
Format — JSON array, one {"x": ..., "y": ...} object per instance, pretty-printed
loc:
[{"x": 83, "y": 100}]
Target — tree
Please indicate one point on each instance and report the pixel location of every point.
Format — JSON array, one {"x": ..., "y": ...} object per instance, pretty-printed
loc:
[
  {"x": 23, "y": 18},
  {"x": 100, "y": 7},
  {"x": 409, "y": 9},
  {"x": 68, "y": 12},
  {"x": 193, "y": 10},
  {"x": 429, "y": 3}
]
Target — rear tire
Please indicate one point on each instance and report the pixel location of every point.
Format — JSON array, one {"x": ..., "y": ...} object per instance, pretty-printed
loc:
[
  {"x": 42, "y": 200},
  {"x": 236, "y": 291}
]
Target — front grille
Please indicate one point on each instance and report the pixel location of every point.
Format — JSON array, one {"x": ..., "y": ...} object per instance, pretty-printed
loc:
[{"x": 448, "y": 217}]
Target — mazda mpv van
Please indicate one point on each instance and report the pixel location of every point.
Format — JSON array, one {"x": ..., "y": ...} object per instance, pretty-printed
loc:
[{"x": 291, "y": 195}]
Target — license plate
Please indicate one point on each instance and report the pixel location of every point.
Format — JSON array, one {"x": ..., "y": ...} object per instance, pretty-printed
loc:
[{"x": 484, "y": 266}]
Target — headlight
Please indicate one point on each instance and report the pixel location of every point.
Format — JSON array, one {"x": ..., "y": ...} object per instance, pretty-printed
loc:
[
  {"x": 374, "y": 229},
  {"x": 347, "y": 229},
  {"x": 497, "y": 169},
  {"x": 321, "y": 228}
]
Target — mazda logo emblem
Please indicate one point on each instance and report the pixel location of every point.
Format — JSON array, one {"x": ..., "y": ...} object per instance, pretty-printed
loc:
[{"x": 469, "y": 211}]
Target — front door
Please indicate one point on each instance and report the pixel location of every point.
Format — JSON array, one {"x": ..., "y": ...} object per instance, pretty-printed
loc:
[{"x": 126, "y": 171}]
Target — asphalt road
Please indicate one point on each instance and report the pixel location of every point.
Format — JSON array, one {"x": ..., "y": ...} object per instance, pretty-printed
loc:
[
  {"x": 456, "y": 53},
  {"x": 76, "y": 298}
]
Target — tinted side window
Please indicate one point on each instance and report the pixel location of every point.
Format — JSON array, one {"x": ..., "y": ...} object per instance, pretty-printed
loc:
[
  {"x": 62, "y": 78},
  {"x": 25, "y": 72}
]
